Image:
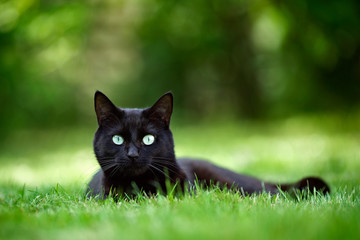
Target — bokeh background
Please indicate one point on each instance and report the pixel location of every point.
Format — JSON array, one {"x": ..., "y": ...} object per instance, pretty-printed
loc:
[{"x": 265, "y": 79}]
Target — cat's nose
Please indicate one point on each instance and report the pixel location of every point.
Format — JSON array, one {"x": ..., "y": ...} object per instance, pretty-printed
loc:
[
  {"x": 133, "y": 157},
  {"x": 133, "y": 153}
]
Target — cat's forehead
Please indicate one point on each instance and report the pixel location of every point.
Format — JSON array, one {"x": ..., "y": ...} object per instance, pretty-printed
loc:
[
  {"x": 132, "y": 113},
  {"x": 134, "y": 118}
]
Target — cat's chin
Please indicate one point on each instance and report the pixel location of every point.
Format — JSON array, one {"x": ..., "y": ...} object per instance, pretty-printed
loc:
[{"x": 135, "y": 171}]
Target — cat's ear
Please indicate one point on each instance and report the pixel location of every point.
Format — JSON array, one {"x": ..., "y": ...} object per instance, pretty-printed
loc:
[
  {"x": 104, "y": 108},
  {"x": 162, "y": 109}
]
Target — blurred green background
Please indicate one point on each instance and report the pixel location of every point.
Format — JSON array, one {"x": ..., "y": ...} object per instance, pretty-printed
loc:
[
  {"x": 229, "y": 64},
  {"x": 247, "y": 59}
]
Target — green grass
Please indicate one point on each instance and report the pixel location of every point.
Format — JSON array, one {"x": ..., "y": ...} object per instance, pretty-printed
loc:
[
  {"x": 58, "y": 213},
  {"x": 43, "y": 177}
]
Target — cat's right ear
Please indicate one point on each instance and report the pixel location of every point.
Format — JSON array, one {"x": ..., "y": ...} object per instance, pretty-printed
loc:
[
  {"x": 104, "y": 108},
  {"x": 162, "y": 109}
]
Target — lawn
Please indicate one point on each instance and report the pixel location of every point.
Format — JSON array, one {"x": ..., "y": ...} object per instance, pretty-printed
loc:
[{"x": 43, "y": 175}]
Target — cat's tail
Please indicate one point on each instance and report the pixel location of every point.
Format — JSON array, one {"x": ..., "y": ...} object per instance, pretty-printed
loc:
[{"x": 308, "y": 184}]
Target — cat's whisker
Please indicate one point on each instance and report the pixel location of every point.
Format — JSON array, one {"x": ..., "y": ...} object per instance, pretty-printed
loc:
[
  {"x": 167, "y": 164},
  {"x": 170, "y": 168},
  {"x": 164, "y": 158},
  {"x": 167, "y": 167},
  {"x": 115, "y": 169},
  {"x": 105, "y": 168},
  {"x": 152, "y": 171},
  {"x": 105, "y": 158},
  {"x": 158, "y": 169},
  {"x": 107, "y": 163},
  {"x": 109, "y": 166}
]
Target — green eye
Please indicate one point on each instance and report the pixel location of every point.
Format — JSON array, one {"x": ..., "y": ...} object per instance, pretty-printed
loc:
[
  {"x": 148, "y": 139},
  {"x": 117, "y": 139}
]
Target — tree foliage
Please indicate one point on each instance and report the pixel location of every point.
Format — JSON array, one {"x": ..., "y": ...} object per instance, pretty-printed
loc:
[{"x": 244, "y": 58}]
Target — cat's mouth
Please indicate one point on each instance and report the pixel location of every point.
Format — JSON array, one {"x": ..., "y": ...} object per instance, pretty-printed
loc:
[{"x": 128, "y": 168}]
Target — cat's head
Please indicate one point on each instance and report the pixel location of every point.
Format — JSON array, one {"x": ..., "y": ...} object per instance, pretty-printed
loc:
[{"x": 131, "y": 142}]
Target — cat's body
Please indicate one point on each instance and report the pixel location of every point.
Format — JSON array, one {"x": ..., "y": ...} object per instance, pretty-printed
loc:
[{"x": 135, "y": 150}]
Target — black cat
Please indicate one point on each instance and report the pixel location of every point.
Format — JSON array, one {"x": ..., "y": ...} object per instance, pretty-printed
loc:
[{"x": 135, "y": 150}]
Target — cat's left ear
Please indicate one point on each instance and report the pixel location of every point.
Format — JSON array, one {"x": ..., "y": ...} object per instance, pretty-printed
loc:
[
  {"x": 104, "y": 108},
  {"x": 162, "y": 109}
]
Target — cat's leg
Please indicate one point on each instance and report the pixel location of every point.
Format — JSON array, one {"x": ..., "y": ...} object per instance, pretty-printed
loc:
[
  {"x": 206, "y": 172},
  {"x": 95, "y": 187}
]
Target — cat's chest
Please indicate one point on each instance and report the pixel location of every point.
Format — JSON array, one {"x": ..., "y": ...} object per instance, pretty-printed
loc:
[{"x": 150, "y": 185}]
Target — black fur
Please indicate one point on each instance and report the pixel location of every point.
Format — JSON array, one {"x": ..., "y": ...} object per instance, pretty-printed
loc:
[{"x": 134, "y": 166}]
